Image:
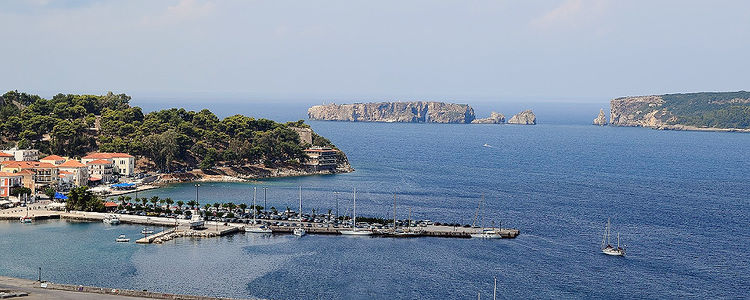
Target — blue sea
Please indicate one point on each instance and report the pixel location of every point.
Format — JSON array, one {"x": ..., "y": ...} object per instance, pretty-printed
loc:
[{"x": 679, "y": 200}]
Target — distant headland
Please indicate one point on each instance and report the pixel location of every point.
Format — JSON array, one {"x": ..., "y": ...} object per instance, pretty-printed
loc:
[
  {"x": 412, "y": 112},
  {"x": 707, "y": 111}
]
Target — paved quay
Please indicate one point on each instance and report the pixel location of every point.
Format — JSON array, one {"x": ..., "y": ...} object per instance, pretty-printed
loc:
[{"x": 47, "y": 290}]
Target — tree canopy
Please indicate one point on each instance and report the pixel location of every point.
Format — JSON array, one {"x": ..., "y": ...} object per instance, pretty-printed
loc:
[{"x": 74, "y": 125}]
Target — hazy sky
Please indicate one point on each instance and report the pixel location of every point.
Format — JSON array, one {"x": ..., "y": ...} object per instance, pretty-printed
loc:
[{"x": 483, "y": 50}]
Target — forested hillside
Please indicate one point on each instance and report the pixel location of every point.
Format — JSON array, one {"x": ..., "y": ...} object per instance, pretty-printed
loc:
[{"x": 73, "y": 125}]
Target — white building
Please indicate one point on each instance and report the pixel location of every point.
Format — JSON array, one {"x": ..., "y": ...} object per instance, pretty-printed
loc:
[
  {"x": 24, "y": 155},
  {"x": 123, "y": 163}
]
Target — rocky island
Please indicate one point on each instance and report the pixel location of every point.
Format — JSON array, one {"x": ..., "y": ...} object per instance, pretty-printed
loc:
[
  {"x": 403, "y": 112},
  {"x": 601, "y": 119},
  {"x": 525, "y": 117},
  {"x": 708, "y": 111},
  {"x": 410, "y": 112}
]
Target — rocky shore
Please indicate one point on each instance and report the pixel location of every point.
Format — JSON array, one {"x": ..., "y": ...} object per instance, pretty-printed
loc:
[{"x": 246, "y": 173}]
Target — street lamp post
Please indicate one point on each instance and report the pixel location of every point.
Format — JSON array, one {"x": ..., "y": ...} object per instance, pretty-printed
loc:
[{"x": 197, "y": 204}]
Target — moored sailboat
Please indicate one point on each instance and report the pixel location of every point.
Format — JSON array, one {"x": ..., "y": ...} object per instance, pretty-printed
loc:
[
  {"x": 255, "y": 228},
  {"x": 355, "y": 230},
  {"x": 607, "y": 248}
]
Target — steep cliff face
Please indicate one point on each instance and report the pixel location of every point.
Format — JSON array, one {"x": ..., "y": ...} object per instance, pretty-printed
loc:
[
  {"x": 525, "y": 117},
  {"x": 642, "y": 111},
  {"x": 407, "y": 112},
  {"x": 724, "y": 111},
  {"x": 495, "y": 118},
  {"x": 601, "y": 119}
]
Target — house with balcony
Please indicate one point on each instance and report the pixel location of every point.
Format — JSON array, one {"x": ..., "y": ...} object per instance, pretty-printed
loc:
[
  {"x": 53, "y": 159},
  {"x": 23, "y": 154},
  {"x": 321, "y": 158},
  {"x": 6, "y": 157},
  {"x": 9, "y": 181},
  {"x": 79, "y": 170},
  {"x": 100, "y": 171},
  {"x": 122, "y": 163}
]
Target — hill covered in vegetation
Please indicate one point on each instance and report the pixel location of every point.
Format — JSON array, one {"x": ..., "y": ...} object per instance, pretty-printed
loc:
[
  {"x": 690, "y": 111},
  {"x": 74, "y": 125}
]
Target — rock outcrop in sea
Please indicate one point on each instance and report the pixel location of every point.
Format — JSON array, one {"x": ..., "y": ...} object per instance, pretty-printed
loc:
[
  {"x": 525, "y": 117},
  {"x": 406, "y": 112},
  {"x": 601, "y": 119},
  {"x": 495, "y": 118}
]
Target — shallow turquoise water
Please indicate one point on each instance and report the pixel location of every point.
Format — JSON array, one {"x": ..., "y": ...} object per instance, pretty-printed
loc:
[{"x": 679, "y": 199}]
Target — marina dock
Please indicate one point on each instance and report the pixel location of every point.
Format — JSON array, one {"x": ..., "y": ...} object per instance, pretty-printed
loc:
[{"x": 181, "y": 228}]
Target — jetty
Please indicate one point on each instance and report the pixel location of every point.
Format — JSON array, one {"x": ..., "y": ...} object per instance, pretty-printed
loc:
[{"x": 179, "y": 228}]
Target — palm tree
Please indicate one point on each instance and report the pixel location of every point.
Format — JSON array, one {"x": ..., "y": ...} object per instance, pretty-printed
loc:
[
  {"x": 169, "y": 201},
  {"x": 128, "y": 199},
  {"x": 191, "y": 203},
  {"x": 242, "y": 206},
  {"x": 144, "y": 200},
  {"x": 205, "y": 208},
  {"x": 231, "y": 206},
  {"x": 216, "y": 205},
  {"x": 154, "y": 199},
  {"x": 180, "y": 204}
]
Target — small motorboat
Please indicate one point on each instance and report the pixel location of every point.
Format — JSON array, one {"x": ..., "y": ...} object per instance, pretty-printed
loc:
[
  {"x": 112, "y": 220},
  {"x": 487, "y": 145},
  {"x": 258, "y": 229},
  {"x": 26, "y": 220},
  {"x": 122, "y": 239},
  {"x": 299, "y": 231},
  {"x": 146, "y": 230}
]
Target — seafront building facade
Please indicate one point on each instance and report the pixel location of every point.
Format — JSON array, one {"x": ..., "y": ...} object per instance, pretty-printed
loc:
[
  {"x": 60, "y": 173},
  {"x": 321, "y": 158},
  {"x": 100, "y": 170},
  {"x": 8, "y": 181},
  {"x": 23, "y": 154},
  {"x": 122, "y": 163}
]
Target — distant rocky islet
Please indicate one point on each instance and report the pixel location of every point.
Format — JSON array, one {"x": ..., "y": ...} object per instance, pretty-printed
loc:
[{"x": 412, "y": 112}]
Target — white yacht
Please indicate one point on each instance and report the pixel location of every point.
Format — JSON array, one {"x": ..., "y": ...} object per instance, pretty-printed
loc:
[
  {"x": 485, "y": 233},
  {"x": 112, "y": 220},
  {"x": 488, "y": 233},
  {"x": 355, "y": 230},
  {"x": 299, "y": 231},
  {"x": 122, "y": 239},
  {"x": 609, "y": 249}
]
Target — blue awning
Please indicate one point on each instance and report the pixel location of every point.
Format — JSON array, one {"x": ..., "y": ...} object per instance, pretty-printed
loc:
[
  {"x": 60, "y": 196},
  {"x": 123, "y": 185}
]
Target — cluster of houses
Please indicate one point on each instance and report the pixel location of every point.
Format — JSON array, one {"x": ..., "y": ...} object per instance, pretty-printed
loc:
[{"x": 24, "y": 168}]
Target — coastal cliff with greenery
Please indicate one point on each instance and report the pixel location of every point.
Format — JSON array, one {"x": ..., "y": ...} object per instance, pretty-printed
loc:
[
  {"x": 165, "y": 140},
  {"x": 726, "y": 111},
  {"x": 402, "y": 112}
]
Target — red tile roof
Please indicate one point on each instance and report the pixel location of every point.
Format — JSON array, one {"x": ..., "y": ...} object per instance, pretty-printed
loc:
[
  {"x": 110, "y": 204},
  {"x": 3, "y": 154},
  {"x": 99, "y": 162},
  {"x": 27, "y": 164},
  {"x": 53, "y": 157},
  {"x": 72, "y": 164},
  {"x": 107, "y": 155},
  {"x": 8, "y": 174}
]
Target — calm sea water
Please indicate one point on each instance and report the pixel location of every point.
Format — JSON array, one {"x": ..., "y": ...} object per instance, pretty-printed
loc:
[{"x": 680, "y": 201}]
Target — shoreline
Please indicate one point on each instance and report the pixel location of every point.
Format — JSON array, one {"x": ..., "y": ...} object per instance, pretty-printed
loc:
[{"x": 50, "y": 290}]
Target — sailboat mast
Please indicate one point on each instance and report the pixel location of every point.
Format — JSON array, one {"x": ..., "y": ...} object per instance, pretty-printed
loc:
[
  {"x": 408, "y": 224},
  {"x": 608, "y": 231},
  {"x": 300, "y": 204},
  {"x": 255, "y": 189},
  {"x": 618, "y": 240},
  {"x": 354, "y": 219},
  {"x": 394, "y": 211},
  {"x": 494, "y": 291},
  {"x": 480, "y": 205}
]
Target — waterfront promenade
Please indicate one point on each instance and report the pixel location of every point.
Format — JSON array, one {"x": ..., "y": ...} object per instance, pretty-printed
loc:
[{"x": 36, "y": 290}]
